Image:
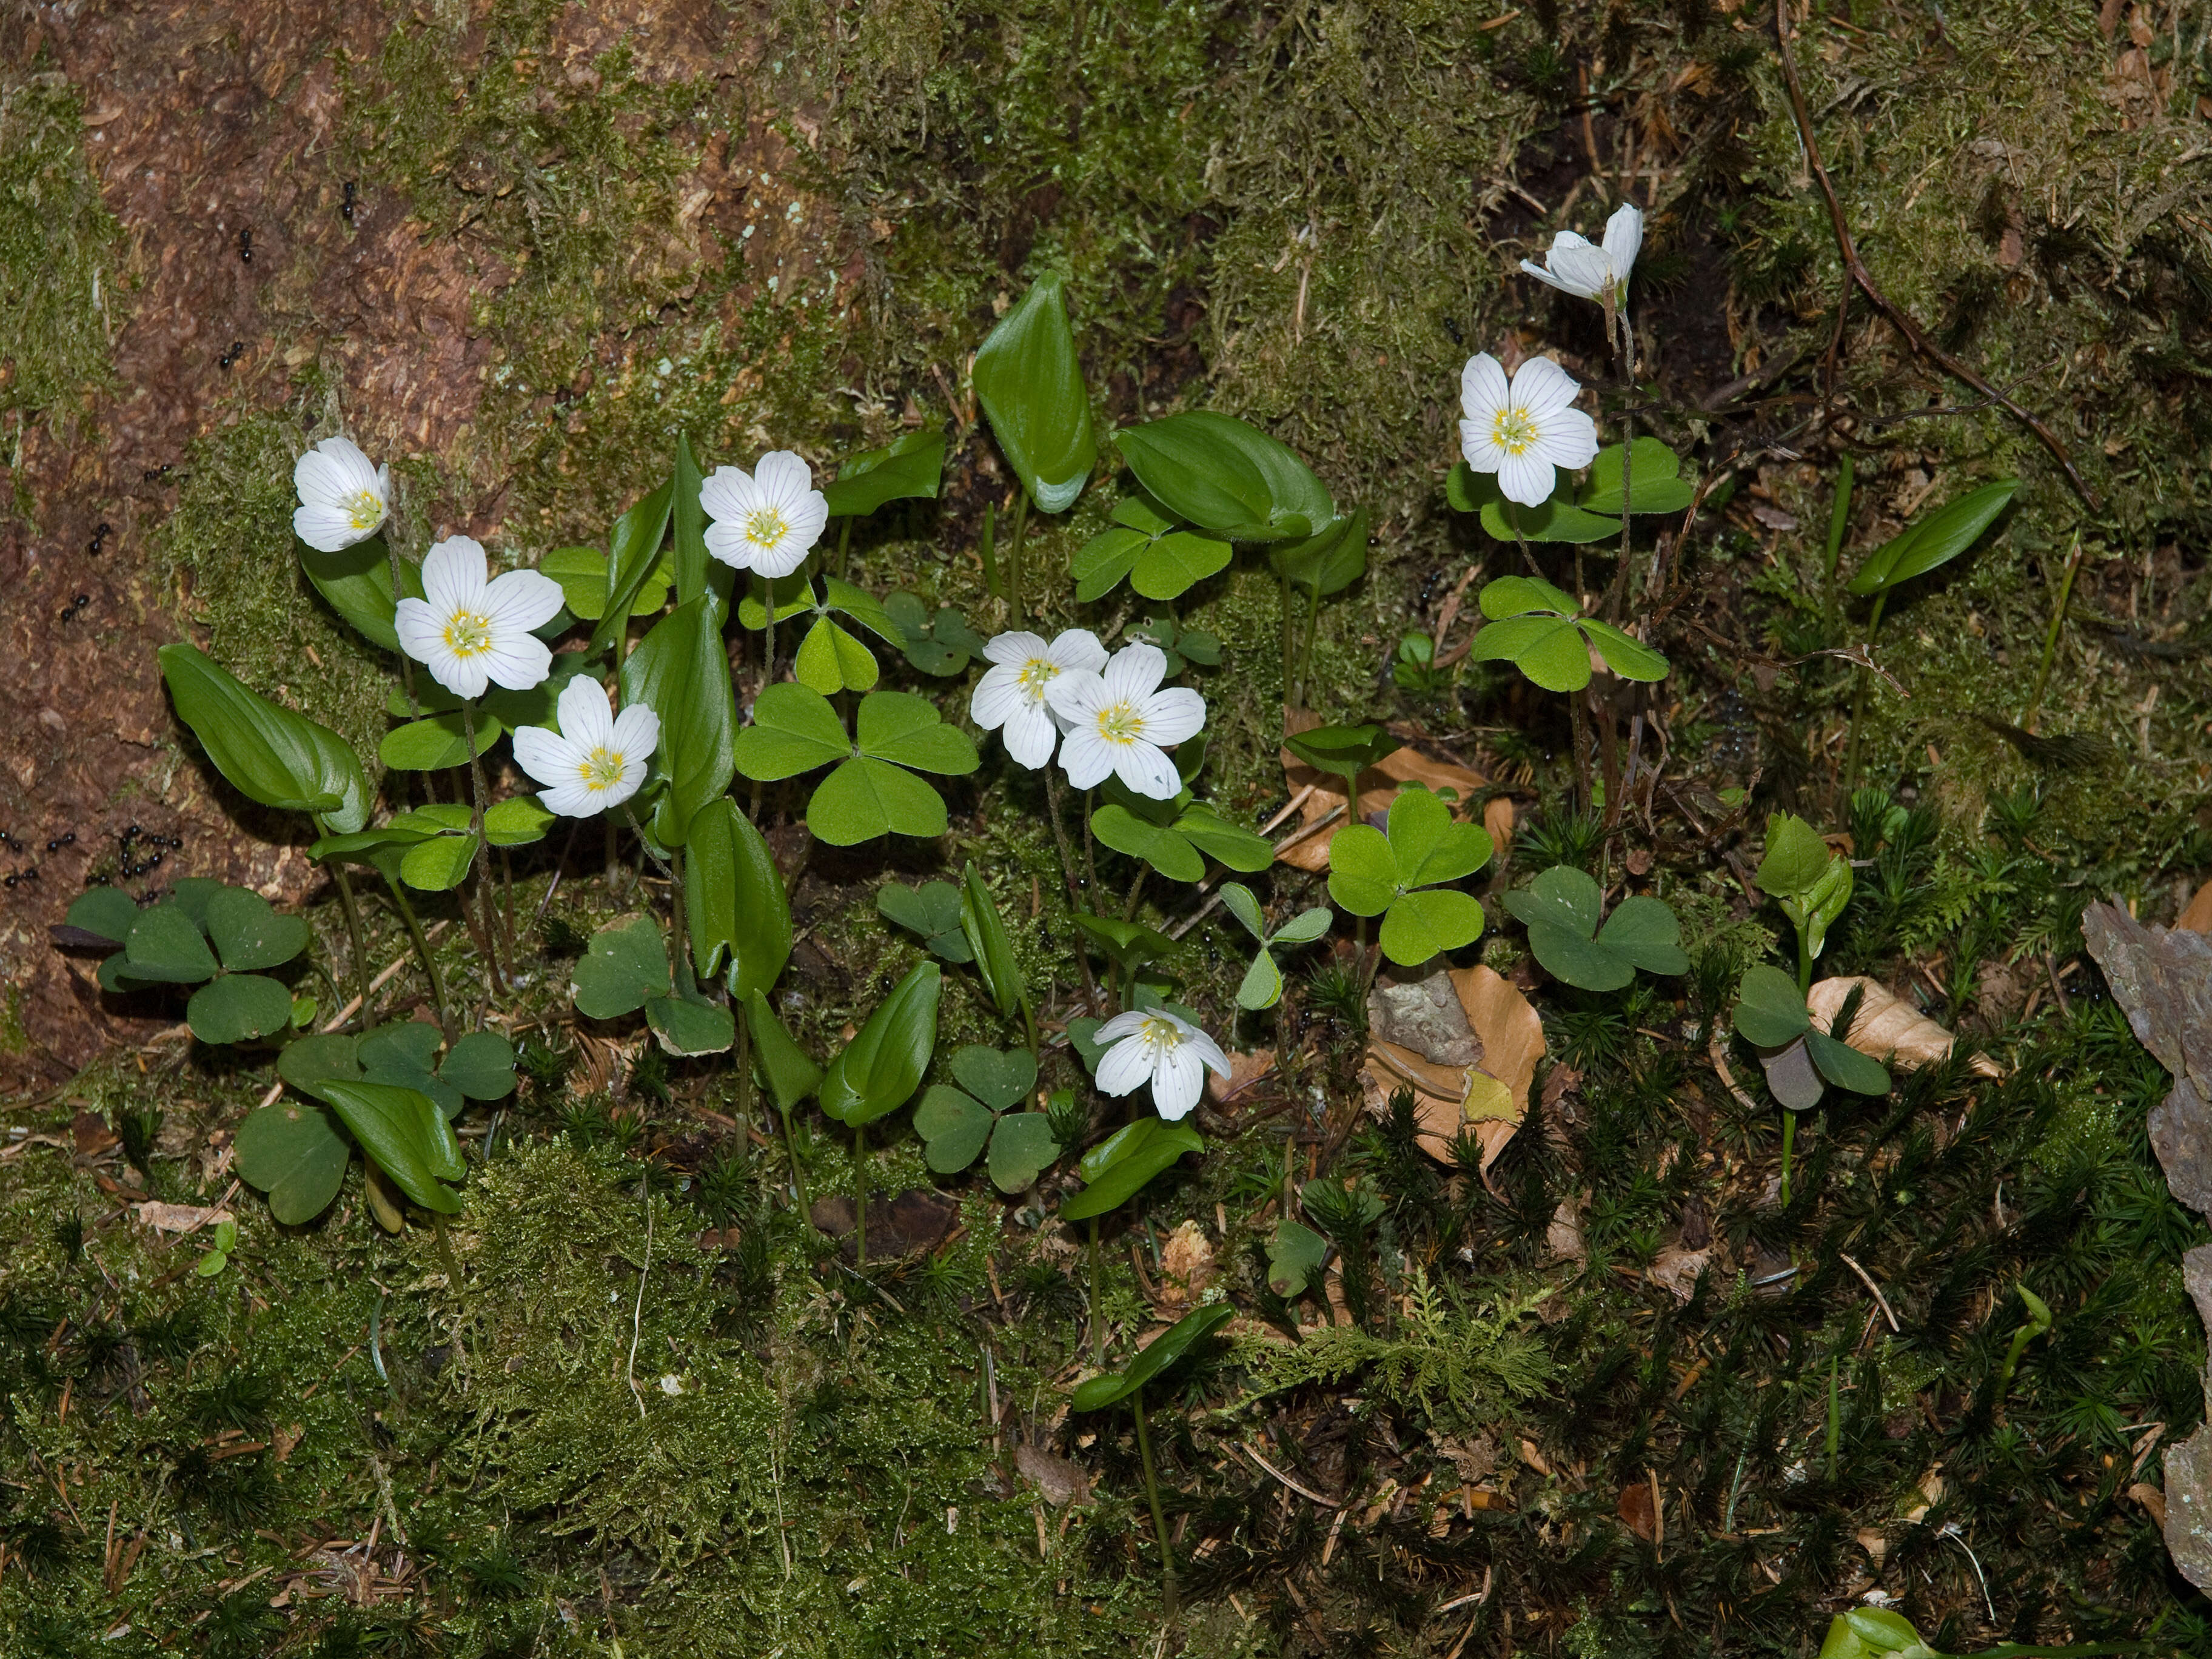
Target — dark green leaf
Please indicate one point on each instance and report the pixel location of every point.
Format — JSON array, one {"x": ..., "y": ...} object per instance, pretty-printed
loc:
[
  {"x": 1769, "y": 1011},
  {"x": 1936, "y": 539},
  {"x": 680, "y": 671},
  {"x": 268, "y": 754},
  {"x": 1644, "y": 932},
  {"x": 238, "y": 1007},
  {"x": 481, "y": 1066},
  {"x": 435, "y": 744},
  {"x": 1021, "y": 1148},
  {"x": 356, "y": 583},
  {"x": 103, "y": 913},
  {"x": 909, "y": 468},
  {"x": 954, "y": 1128},
  {"x": 1629, "y": 658},
  {"x": 934, "y": 910},
  {"x": 690, "y": 1025},
  {"x": 165, "y": 947},
  {"x": 695, "y": 571},
  {"x": 407, "y": 1135},
  {"x": 1100, "y": 563},
  {"x": 1656, "y": 481},
  {"x": 794, "y": 730},
  {"x": 1030, "y": 386},
  {"x": 1845, "y": 1066},
  {"x": 1791, "y": 1077},
  {"x": 791, "y": 1075},
  {"x": 247, "y": 933},
  {"x": 1000, "y": 1079},
  {"x": 310, "y": 1061},
  {"x": 1162, "y": 1352},
  {"x": 1178, "y": 560},
  {"x": 627, "y": 963},
  {"x": 1343, "y": 751},
  {"x": 632, "y": 559},
  {"x": 1129, "y": 944},
  {"x": 1214, "y": 834},
  {"x": 1227, "y": 476},
  {"x": 1117, "y": 827},
  {"x": 735, "y": 904},
  {"x": 1549, "y": 650},
  {"x": 1119, "y": 1167},
  {"x": 866, "y": 798},
  {"x": 901, "y": 727},
  {"x": 1795, "y": 858},
  {"x": 1295, "y": 1254},
  {"x": 882, "y": 1067},
  {"x": 292, "y": 1151},
  {"x": 994, "y": 954},
  {"x": 1326, "y": 562}
]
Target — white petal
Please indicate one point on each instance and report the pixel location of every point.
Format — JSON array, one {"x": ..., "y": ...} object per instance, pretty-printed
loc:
[
  {"x": 1581, "y": 269},
  {"x": 636, "y": 735},
  {"x": 1544, "y": 275},
  {"x": 727, "y": 543},
  {"x": 586, "y": 720},
  {"x": 517, "y": 662},
  {"x": 785, "y": 556},
  {"x": 1483, "y": 389},
  {"x": 464, "y": 677},
  {"x": 1174, "y": 716},
  {"x": 1209, "y": 1051},
  {"x": 546, "y": 755},
  {"x": 1477, "y": 448},
  {"x": 1126, "y": 1024},
  {"x": 1076, "y": 694},
  {"x": 1541, "y": 385},
  {"x": 1078, "y": 648},
  {"x": 1623, "y": 240},
  {"x": 633, "y": 779},
  {"x": 453, "y": 575},
  {"x": 1569, "y": 439},
  {"x": 784, "y": 479},
  {"x": 417, "y": 626},
  {"x": 1124, "y": 1067},
  {"x": 572, "y": 801},
  {"x": 997, "y": 695},
  {"x": 1015, "y": 648},
  {"x": 1144, "y": 769},
  {"x": 1136, "y": 671},
  {"x": 1088, "y": 757},
  {"x": 522, "y": 600},
  {"x": 327, "y": 529},
  {"x": 809, "y": 516},
  {"x": 728, "y": 494},
  {"x": 1176, "y": 1082},
  {"x": 1525, "y": 479},
  {"x": 1030, "y": 734}
]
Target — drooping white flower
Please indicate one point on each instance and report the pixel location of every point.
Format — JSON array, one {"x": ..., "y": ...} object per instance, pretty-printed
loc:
[
  {"x": 1120, "y": 722},
  {"x": 343, "y": 499},
  {"x": 767, "y": 520},
  {"x": 1594, "y": 270},
  {"x": 595, "y": 759},
  {"x": 468, "y": 631},
  {"x": 1011, "y": 696},
  {"x": 1522, "y": 428},
  {"x": 1150, "y": 1045}
]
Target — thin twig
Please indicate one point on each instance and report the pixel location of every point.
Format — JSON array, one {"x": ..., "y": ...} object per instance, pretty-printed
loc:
[
  {"x": 1302, "y": 1491},
  {"x": 1867, "y": 1280},
  {"x": 1855, "y": 268},
  {"x": 637, "y": 1312}
]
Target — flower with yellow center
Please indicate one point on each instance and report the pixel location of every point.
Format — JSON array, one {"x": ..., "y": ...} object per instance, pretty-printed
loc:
[
  {"x": 471, "y": 631},
  {"x": 1525, "y": 428},
  {"x": 766, "y": 520},
  {"x": 1120, "y": 723},
  {"x": 1010, "y": 698},
  {"x": 343, "y": 499},
  {"x": 595, "y": 759},
  {"x": 1155, "y": 1046}
]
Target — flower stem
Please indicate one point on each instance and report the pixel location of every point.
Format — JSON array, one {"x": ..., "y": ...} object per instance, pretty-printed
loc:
[
  {"x": 798, "y": 1170},
  {"x": 1789, "y": 1140},
  {"x": 2051, "y": 636},
  {"x": 1290, "y": 639},
  {"x": 354, "y": 935},
  {"x": 860, "y": 1191},
  {"x": 845, "y": 548},
  {"x": 481, "y": 857},
  {"x": 446, "y": 1251},
  {"x": 1858, "y": 699},
  {"x": 1097, "y": 1317},
  {"x": 1840, "y": 519},
  {"x": 1014, "y": 559},
  {"x": 1581, "y": 728},
  {"x": 1053, "y": 800},
  {"x": 422, "y": 955},
  {"x": 1159, "y": 1519}
]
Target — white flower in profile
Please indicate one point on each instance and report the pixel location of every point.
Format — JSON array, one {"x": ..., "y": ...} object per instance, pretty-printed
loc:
[
  {"x": 343, "y": 499},
  {"x": 1120, "y": 722},
  {"x": 468, "y": 631},
  {"x": 1594, "y": 270},
  {"x": 1011, "y": 696},
  {"x": 1522, "y": 428},
  {"x": 1150, "y": 1045},
  {"x": 596, "y": 758},
  {"x": 765, "y": 520}
]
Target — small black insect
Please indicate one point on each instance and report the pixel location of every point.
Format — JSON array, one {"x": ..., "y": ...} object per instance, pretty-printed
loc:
[
  {"x": 93, "y": 879},
  {"x": 237, "y": 351},
  {"x": 155, "y": 863},
  {"x": 245, "y": 244},
  {"x": 31, "y": 874},
  {"x": 562, "y": 397},
  {"x": 70, "y": 611},
  {"x": 9, "y": 881},
  {"x": 100, "y": 536},
  {"x": 160, "y": 471},
  {"x": 345, "y": 208},
  {"x": 1451, "y": 327}
]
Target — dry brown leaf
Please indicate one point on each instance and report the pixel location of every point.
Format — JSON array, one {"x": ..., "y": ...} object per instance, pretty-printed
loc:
[
  {"x": 1676, "y": 1269},
  {"x": 1477, "y": 1079},
  {"x": 178, "y": 1217},
  {"x": 1244, "y": 1071},
  {"x": 1634, "y": 1507},
  {"x": 1378, "y": 786},
  {"x": 1498, "y": 819},
  {"x": 1887, "y": 1026},
  {"x": 1564, "y": 1235},
  {"x": 1061, "y": 1482},
  {"x": 2197, "y": 916},
  {"x": 1186, "y": 1268}
]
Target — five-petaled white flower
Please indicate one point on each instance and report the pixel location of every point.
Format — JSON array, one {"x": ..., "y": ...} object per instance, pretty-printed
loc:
[
  {"x": 1150, "y": 1045},
  {"x": 1594, "y": 270},
  {"x": 596, "y": 758},
  {"x": 1522, "y": 428},
  {"x": 1120, "y": 722},
  {"x": 343, "y": 499},
  {"x": 468, "y": 631},
  {"x": 1011, "y": 693},
  {"x": 765, "y": 520}
]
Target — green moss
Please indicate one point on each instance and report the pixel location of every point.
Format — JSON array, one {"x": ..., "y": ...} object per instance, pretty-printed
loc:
[{"x": 57, "y": 251}]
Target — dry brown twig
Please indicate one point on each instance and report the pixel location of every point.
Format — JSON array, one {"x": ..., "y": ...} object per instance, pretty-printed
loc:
[{"x": 1861, "y": 278}]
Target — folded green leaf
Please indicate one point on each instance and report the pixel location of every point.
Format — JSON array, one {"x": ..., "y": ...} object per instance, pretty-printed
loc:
[
  {"x": 790, "y": 1074},
  {"x": 633, "y": 555},
  {"x": 1121, "y": 1166},
  {"x": 435, "y": 744},
  {"x": 934, "y": 910},
  {"x": 680, "y": 669},
  {"x": 993, "y": 953},
  {"x": 356, "y": 583},
  {"x": 1327, "y": 561},
  {"x": 1162, "y": 1352},
  {"x": 909, "y": 468},
  {"x": 1935, "y": 540},
  {"x": 1030, "y": 386},
  {"x": 268, "y": 754},
  {"x": 165, "y": 947},
  {"x": 735, "y": 905},
  {"x": 407, "y": 1135},
  {"x": 883, "y": 1066},
  {"x": 1227, "y": 476}
]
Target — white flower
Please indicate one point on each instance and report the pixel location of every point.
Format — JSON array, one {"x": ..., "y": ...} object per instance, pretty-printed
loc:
[
  {"x": 596, "y": 760},
  {"x": 1010, "y": 694},
  {"x": 768, "y": 519},
  {"x": 1591, "y": 270},
  {"x": 1150, "y": 1045},
  {"x": 1120, "y": 722},
  {"x": 343, "y": 499},
  {"x": 467, "y": 630},
  {"x": 1522, "y": 428}
]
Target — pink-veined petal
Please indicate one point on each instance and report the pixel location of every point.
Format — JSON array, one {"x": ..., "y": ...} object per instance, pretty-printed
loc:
[
  {"x": 727, "y": 494},
  {"x": 1124, "y": 1067},
  {"x": 1079, "y": 649},
  {"x": 517, "y": 662},
  {"x": 453, "y": 575},
  {"x": 586, "y": 720},
  {"x": 1135, "y": 672},
  {"x": 1176, "y": 1081},
  {"x": 1567, "y": 439},
  {"x": 1174, "y": 716},
  {"x": 522, "y": 600},
  {"x": 636, "y": 734},
  {"x": 546, "y": 755},
  {"x": 1076, "y": 694},
  {"x": 997, "y": 695},
  {"x": 1541, "y": 385},
  {"x": 728, "y": 543},
  {"x": 1088, "y": 757},
  {"x": 1015, "y": 648},
  {"x": 1483, "y": 389},
  {"x": 1145, "y": 769},
  {"x": 1525, "y": 479},
  {"x": 1030, "y": 733},
  {"x": 1476, "y": 446}
]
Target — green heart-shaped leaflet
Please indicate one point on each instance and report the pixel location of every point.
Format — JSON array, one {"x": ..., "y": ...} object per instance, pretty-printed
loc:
[
  {"x": 999, "y": 1077},
  {"x": 1769, "y": 1011},
  {"x": 1021, "y": 1148},
  {"x": 932, "y": 910},
  {"x": 626, "y": 963},
  {"x": 292, "y": 1151}
]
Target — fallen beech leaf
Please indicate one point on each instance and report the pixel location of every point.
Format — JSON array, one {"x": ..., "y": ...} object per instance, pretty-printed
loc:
[
  {"x": 1635, "y": 1508},
  {"x": 1244, "y": 1071},
  {"x": 1498, "y": 819},
  {"x": 90, "y": 1131},
  {"x": 911, "y": 1222},
  {"x": 1472, "y": 1072},
  {"x": 178, "y": 1217},
  {"x": 2197, "y": 917},
  {"x": 1887, "y": 1027},
  {"x": 1564, "y": 1235},
  {"x": 1061, "y": 1482},
  {"x": 2151, "y": 1499},
  {"x": 1676, "y": 1269},
  {"x": 1378, "y": 786}
]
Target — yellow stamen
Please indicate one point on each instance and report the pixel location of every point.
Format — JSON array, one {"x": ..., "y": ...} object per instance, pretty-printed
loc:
[
  {"x": 1514, "y": 431},
  {"x": 468, "y": 634},
  {"x": 764, "y": 527},
  {"x": 1122, "y": 722},
  {"x": 365, "y": 510},
  {"x": 1035, "y": 673},
  {"x": 601, "y": 770}
]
